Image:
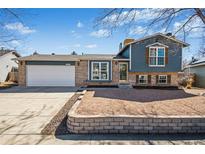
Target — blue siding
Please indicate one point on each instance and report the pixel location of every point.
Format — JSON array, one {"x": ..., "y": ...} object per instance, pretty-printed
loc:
[
  {"x": 138, "y": 56},
  {"x": 126, "y": 52}
]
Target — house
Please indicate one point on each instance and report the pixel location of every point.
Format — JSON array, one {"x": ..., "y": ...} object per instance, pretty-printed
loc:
[
  {"x": 151, "y": 61},
  {"x": 198, "y": 68},
  {"x": 7, "y": 64}
]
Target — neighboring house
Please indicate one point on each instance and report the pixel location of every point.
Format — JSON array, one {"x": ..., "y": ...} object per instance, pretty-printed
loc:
[
  {"x": 198, "y": 68},
  {"x": 151, "y": 61},
  {"x": 7, "y": 64}
]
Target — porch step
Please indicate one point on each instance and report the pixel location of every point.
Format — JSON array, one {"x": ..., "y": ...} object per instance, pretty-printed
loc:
[{"x": 124, "y": 86}]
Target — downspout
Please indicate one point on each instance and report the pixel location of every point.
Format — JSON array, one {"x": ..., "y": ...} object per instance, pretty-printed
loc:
[{"x": 130, "y": 55}]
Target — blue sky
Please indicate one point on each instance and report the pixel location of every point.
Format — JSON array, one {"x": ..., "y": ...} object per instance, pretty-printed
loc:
[{"x": 65, "y": 30}]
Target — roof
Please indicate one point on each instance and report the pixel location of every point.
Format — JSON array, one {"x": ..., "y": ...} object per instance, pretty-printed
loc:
[
  {"x": 200, "y": 62},
  {"x": 120, "y": 57},
  {"x": 3, "y": 52},
  {"x": 46, "y": 57},
  {"x": 154, "y": 35}
]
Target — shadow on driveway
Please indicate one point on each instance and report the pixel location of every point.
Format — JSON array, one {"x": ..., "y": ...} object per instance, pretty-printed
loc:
[
  {"x": 19, "y": 89},
  {"x": 148, "y": 138}
]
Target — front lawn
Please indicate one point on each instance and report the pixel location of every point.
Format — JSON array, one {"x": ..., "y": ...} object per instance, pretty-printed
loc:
[{"x": 146, "y": 102}]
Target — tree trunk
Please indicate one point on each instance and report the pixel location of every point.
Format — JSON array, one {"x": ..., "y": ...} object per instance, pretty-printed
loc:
[{"x": 200, "y": 14}]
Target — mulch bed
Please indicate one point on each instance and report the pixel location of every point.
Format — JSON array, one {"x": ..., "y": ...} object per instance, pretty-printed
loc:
[
  {"x": 57, "y": 125},
  {"x": 146, "y": 102}
]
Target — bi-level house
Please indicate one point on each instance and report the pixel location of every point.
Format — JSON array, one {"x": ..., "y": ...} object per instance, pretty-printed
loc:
[{"x": 151, "y": 61}]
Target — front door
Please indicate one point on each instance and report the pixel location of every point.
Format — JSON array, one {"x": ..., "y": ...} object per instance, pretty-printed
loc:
[{"x": 123, "y": 69}]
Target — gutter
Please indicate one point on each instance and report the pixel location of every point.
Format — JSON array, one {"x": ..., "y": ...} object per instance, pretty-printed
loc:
[{"x": 195, "y": 65}]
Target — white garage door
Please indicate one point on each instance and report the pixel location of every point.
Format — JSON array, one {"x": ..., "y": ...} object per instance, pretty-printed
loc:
[{"x": 50, "y": 75}]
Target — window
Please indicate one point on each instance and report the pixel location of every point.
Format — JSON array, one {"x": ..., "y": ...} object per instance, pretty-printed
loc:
[
  {"x": 162, "y": 79},
  {"x": 100, "y": 71},
  {"x": 156, "y": 56},
  {"x": 142, "y": 79}
]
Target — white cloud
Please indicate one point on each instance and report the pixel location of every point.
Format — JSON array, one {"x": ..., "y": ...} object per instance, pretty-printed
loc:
[
  {"x": 15, "y": 43},
  {"x": 192, "y": 32},
  {"x": 19, "y": 27},
  {"x": 101, "y": 33},
  {"x": 80, "y": 24},
  {"x": 137, "y": 30},
  {"x": 91, "y": 46},
  {"x": 127, "y": 16}
]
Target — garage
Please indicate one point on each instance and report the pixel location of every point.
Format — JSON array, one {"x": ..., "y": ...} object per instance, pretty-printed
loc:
[{"x": 50, "y": 75}]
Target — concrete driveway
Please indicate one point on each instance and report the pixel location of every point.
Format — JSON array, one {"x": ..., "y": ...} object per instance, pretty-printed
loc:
[{"x": 27, "y": 110}]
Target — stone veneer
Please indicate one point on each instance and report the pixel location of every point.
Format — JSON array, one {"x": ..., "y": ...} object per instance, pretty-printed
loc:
[
  {"x": 80, "y": 124},
  {"x": 135, "y": 124}
]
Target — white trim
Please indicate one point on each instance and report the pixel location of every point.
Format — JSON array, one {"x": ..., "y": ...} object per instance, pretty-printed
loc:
[
  {"x": 146, "y": 79},
  {"x": 111, "y": 70},
  {"x": 195, "y": 65},
  {"x": 159, "y": 77},
  {"x": 88, "y": 70},
  {"x": 157, "y": 57},
  {"x": 108, "y": 74},
  {"x": 157, "y": 43},
  {"x": 122, "y": 59},
  {"x": 119, "y": 72},
  {"x": 130, "y": 55}
]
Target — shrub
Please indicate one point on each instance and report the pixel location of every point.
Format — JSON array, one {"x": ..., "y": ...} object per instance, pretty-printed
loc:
[{"x": 183, "y": 81}]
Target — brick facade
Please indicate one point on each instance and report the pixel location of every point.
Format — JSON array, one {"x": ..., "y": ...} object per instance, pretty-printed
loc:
[
  {"x": 22, "y": 73},
  {"x": 81, "y": 75},
  {"x": 136, "y": 124},
  {"x": 81, "y": 72},
  {"x": 174, "y": 77}
]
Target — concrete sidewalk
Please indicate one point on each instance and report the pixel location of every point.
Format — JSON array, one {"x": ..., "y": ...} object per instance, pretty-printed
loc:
[{"x": 108, "y": 139}]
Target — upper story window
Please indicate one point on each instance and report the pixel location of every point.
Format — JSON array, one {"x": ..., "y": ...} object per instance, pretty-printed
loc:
[
  {"x": 100, "y": 70},
  {"x": 156, "y": 56}
]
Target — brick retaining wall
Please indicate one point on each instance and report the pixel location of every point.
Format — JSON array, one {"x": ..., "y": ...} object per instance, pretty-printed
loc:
[{"x": 135, "y": 124}]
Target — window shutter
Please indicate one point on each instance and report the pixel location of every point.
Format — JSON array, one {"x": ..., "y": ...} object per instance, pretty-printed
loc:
[
  {"x": 169, "y": 79},
  {"x": 149, "y": 79},
  {"x": 166, "y": 55},
  {"x": 137, "y": 79},
  {"x": 157, "y": 79},
  {"x": 147, "y": 55}
]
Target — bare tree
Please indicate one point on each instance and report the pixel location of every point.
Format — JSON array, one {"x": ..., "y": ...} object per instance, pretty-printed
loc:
[
  {"x": 191, "y": 19},
  {"x": 202, "y": 48},
  {"x": 7, "y": 15}
]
